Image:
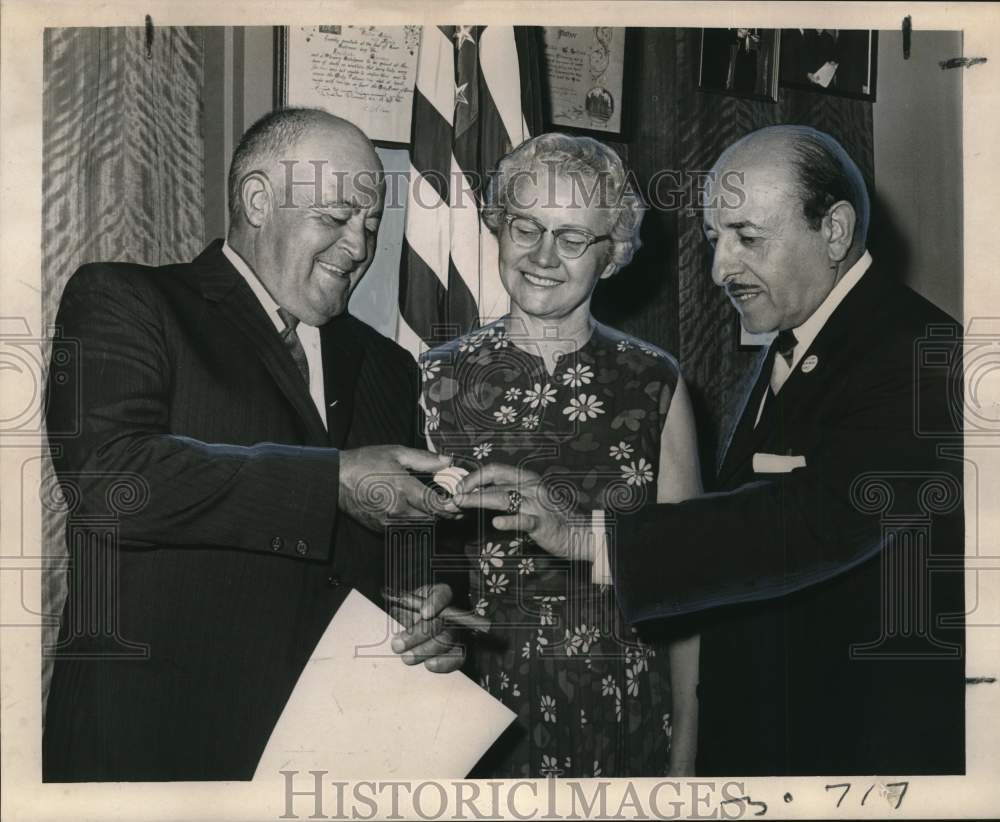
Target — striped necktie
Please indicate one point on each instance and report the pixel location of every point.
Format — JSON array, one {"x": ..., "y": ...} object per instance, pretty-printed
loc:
[{"x": 294, "y": 345}]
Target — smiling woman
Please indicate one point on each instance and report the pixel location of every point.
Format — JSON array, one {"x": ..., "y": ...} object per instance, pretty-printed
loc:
[
  {"x": 565, "y": 216},
  {"x": 605, "y": 415}
]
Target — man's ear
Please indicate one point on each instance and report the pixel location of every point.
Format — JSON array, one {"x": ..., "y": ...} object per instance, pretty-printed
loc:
[
  {"x": 609, "y": 270},
  {"x": 256, "y": 198},
  {"x": 838, "y": 227}
]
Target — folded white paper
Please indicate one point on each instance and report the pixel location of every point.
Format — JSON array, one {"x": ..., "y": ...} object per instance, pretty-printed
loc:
[
  {"x": 776, "y": 463},
  {"x": 358, "y": 712}
]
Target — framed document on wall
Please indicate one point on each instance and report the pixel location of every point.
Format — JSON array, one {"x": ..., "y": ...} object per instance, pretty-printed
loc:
[
  {"x": 364, "y": 74},
  {"x": 584, "y": 72}
]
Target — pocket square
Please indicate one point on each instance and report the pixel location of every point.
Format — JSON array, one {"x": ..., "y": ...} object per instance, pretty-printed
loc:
[{"x": 776, "y": 463}]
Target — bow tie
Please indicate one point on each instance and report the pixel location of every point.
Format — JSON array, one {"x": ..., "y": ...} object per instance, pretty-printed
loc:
[{"x": 785, "y": 344}]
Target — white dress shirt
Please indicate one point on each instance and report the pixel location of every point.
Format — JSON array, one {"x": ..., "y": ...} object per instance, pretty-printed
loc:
[{"x": 308, "y": 334}]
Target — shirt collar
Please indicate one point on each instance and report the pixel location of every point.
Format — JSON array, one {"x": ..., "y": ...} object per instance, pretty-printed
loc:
[
  {"x": 807, "y": 332},
  {"x": 265, "y": 299}
]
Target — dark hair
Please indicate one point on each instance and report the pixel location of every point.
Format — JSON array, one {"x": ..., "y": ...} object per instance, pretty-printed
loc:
[
  {"x": 265, "y": 140},
  {"x": 827, "y": 175}
]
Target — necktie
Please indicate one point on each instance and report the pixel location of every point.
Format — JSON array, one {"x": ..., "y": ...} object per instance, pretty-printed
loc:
[
  {"x": 782, "y": 353},
  {"x": 294, "y": 345},
  {"x": 785, "y": 344}
]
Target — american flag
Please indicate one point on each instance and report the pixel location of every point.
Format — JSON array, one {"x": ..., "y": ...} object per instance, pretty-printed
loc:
[{"x": 473, "y": 103}]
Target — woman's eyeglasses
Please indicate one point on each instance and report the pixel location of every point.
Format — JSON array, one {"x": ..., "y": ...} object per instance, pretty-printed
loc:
[{"x": 570, "y": 242}]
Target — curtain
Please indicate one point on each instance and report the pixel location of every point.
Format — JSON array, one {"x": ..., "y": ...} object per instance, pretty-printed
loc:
[{"x": 122, "y": 180}]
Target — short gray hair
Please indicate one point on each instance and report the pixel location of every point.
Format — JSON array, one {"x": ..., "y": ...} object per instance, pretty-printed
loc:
[
  {"x": 576, "y": 158},
  {"x": 264, "y": 142}
]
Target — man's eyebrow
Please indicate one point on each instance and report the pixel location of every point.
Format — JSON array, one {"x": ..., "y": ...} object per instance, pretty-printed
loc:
[
  {"x": 344, "y": 204},
  {"x": 738, "y": 224}
]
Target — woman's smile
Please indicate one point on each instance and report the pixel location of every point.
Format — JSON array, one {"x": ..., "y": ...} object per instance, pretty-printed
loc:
[{"x": 539, "y": 281}]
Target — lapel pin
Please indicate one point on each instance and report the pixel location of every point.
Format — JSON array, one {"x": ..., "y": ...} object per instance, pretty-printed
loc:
[
  {"x": 334, "y": 403},
  {"x": 809, "y": 363}
]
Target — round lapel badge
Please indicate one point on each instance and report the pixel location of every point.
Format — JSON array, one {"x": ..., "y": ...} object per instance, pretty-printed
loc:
[{"x": 809, "y": 363}]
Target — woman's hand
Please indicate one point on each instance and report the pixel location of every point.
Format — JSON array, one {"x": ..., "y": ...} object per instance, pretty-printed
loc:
[{"x": 528, "y": 507}]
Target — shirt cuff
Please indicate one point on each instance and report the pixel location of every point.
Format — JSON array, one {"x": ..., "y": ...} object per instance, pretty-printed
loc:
[{"x": 600, "y": 569}]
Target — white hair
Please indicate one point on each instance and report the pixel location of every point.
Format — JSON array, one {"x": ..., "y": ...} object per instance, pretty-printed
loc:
[{"x": 576, "y": 158}]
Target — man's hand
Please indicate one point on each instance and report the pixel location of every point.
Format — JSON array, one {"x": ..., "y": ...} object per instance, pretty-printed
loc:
[
  {"x": 539, "y": 514},
  {"x": 429, "y": 637},
  {"x": 376, "y": 485}
]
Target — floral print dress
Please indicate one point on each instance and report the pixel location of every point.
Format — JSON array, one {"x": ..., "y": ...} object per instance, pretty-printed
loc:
[{"x": 591, "y": 699}]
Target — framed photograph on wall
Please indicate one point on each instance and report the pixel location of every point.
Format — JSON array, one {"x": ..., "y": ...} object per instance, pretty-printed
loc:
[
  {"x": 586, "y": 72},
  {"x": 365, "y": 74},
  {"x": 742, "y": 62},
  {"x": 830, "y": 61}
]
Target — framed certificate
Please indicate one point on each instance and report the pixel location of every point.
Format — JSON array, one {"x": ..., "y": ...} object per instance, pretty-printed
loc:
[
  {"x": 364, "y": 74},
  {"x": 585, "y": 74}
]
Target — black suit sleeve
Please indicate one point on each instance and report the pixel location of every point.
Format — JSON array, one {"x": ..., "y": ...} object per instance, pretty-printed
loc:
[
  {"x": 446, "y": 563},
  {"x": 778, "y": 535},
  {"x": 261, "y": 497}
]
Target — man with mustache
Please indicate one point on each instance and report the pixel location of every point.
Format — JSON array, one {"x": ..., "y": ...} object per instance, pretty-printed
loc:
[
  {"x": 245, "y": 409},
  {"x": 825, "y": 576}
]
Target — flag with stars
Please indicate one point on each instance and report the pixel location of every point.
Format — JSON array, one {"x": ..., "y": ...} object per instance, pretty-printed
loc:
[{"x": 474, "y": 101}]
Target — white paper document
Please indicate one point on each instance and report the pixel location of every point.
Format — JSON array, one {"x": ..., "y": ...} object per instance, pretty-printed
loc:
[{"x": 358, "y": 712}]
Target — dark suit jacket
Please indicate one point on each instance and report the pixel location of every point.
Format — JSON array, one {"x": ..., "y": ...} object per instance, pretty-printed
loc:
[
  {"x": 808, "y": 665},
  {"x": 233, "y": 556}
]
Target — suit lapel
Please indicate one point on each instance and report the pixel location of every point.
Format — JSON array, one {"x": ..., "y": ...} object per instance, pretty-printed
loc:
[
  {"x": 342, "y": 358},
  {"x": 744, "y": 435},
  {"x": 223, "y": 285}
]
